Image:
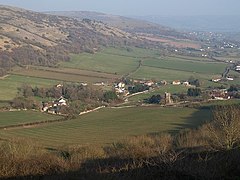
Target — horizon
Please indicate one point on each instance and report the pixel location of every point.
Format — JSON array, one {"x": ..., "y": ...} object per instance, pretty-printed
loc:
[{"x": 144, "y": 7}]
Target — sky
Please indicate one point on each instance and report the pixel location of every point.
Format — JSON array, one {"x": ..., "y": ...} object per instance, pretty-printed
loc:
[{"x": 134, "y": 7}]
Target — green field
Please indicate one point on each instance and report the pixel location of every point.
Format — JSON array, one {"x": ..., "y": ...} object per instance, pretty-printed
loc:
[
  {"x": 21, "y": 117},
  {"x": 161, "y": 90},
  {"x": 61, "y": 76},
  {"x": 111, "y": 125},
  {"x": 173, "y": 63},
  {"x": 103, "y": 63},
  {"x": 9, "y": 85},
  {"x": 166, "y": 74}
]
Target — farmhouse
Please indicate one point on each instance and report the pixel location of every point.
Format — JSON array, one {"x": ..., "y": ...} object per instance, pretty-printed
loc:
[
  {"x": 186, "y": 83},
  {"x": 54, "y": 106},
  {"x": 221, "y": 94},
  {"x": 237, "y": 68},
  {"x": 229, "y": 79},
  {"x": 149, "y": 83},
  {"x": 216, "y": 80},
  {"x": 176, "y": 82},
  {"x": 163, "y": 82}
]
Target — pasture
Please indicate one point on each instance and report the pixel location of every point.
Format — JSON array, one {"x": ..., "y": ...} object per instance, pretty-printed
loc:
[
  {"x": 101, "y": 62},
  {"x": 9, "y": 85},
  {"x": 61, "y": 76},
  {"x": 21, "y": 117},
  {"x": 179, "y": 64},
  {"x": 110, "y": 125},
  {"x": 161, "y": 90}
]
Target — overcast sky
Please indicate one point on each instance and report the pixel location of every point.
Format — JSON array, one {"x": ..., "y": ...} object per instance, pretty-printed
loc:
[{"x": 134, "y": 7}]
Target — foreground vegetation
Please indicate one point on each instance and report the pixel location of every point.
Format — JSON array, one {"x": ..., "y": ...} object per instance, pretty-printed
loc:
[{"x": 209, "y": 152}]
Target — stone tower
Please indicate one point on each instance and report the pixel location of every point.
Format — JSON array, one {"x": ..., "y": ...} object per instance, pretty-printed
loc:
[{"x": 168, "y": 99}]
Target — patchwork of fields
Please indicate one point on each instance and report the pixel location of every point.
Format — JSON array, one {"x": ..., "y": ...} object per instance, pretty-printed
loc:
[
  {"x": 113, "y": 63},
  {"x": 110, "y": 125}
]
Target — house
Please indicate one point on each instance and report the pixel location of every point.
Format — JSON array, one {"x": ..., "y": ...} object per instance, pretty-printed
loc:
[
  {"x": 99, "y": 84},
  {"x": 163, "y": 82},
  {"x": 54, "y": 106},
  {"x": 216, "y": 80},
  {"x": 176, "y": 82},
  {"x": 59, "y": 85},
  {"x": 237, "y": 68},
  {"x": 229, "y": 78},
  {"x": 149, "y": 83},
  {"x": 120, "y": 88},
  {"x": 186, "y": 83},
  {"x": 60, "y": 102},
  {"x": 219, "y": 94}
]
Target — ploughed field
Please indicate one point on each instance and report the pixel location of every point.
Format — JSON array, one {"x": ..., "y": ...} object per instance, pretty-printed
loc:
[{"x": 104, "y": 126}]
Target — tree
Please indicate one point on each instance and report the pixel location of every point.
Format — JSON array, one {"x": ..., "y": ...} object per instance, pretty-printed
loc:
[
  {"x": 194, "y": 92},
  {"x": 109, "y": 96},
  {"x": 155, "y": 99},
  {"x": 224, "y": 129}
]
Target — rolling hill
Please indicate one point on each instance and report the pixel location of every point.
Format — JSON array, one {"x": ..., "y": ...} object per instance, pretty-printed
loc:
[
  {"x": 32, "y": 38},
  {"x": 28, "y": 37},
  {"x": 127, "y": 24}
]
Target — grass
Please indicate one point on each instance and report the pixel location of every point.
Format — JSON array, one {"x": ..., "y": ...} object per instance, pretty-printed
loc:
[
  {"x": 166, "y": 74},
  {"x": 60, "y": 76},
  {"x": 168, "y": 88},
  {"x": 102, "y": 62},
  {"x": 111, "y": 125},
  {"x": 9, "y": 85},
  {"x": 173, "y": 63},
  {"x": 21, "y": 117},
  {"x": 132, "y": 52}
]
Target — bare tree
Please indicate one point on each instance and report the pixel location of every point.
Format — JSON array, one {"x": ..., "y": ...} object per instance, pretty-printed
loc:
[{"x": 224, "y": 131}]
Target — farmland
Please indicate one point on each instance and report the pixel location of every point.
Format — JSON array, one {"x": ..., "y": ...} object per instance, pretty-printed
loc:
[
  {"x": 10, "y": 84},
  {"x": 22, "y": 117},
  {"x": 111, "y": 125}
]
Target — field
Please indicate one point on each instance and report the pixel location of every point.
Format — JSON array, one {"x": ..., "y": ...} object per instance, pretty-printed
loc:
[
  {"x": 103, "y": 62},
  {"x": 21, "y": 117},
  {"x": 113, "y": 63},
  {"x": 169, "y": 88},
  {"x": 111, "y": 125},
  {"x": 179, "y": 64},
  {"x": 9, "y": 85}
]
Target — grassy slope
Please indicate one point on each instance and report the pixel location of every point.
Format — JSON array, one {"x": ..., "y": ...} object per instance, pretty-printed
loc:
[
  {"x": 9, "y": 85},
  {"x": 103, "y": 62},
  {"x": 20, "y": 117},
  {"x": 186, "y": 65},
  {"x": 161, "y": 91},
  {"x": 110, "y": 125}
]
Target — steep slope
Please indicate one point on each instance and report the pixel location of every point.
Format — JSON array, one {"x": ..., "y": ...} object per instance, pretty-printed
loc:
[{"x": 28, "y": 37}]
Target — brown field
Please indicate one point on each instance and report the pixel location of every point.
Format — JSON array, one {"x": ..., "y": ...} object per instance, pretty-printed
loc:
[{"x": 178, "y": 44}]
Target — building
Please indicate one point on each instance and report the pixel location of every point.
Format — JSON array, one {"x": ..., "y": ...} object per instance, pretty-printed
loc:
[
  {"x": 176, "y": 82},
  {"x": 186, "y": 83},
  {"x": 168, "y": 99}
]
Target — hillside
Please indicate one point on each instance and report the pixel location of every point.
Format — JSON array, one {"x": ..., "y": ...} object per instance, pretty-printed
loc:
[
  {"x": 28, "y": 37},
  {"x": 131, "y": 25}
]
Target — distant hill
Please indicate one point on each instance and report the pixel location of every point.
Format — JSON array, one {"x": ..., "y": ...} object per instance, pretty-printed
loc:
[
  {"x": 132, "y": 25},
  {"x": 197, "y": 23},
  {"x": 31, "y": 38},
  {"x": 28, "y": 37}
]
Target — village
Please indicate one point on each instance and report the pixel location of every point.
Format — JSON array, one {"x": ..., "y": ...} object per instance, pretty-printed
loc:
[{"x": 126, "y": 88}]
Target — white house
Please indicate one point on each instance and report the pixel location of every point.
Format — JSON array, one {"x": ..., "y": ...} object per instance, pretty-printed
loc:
[{"x": 176, "y": 82}]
